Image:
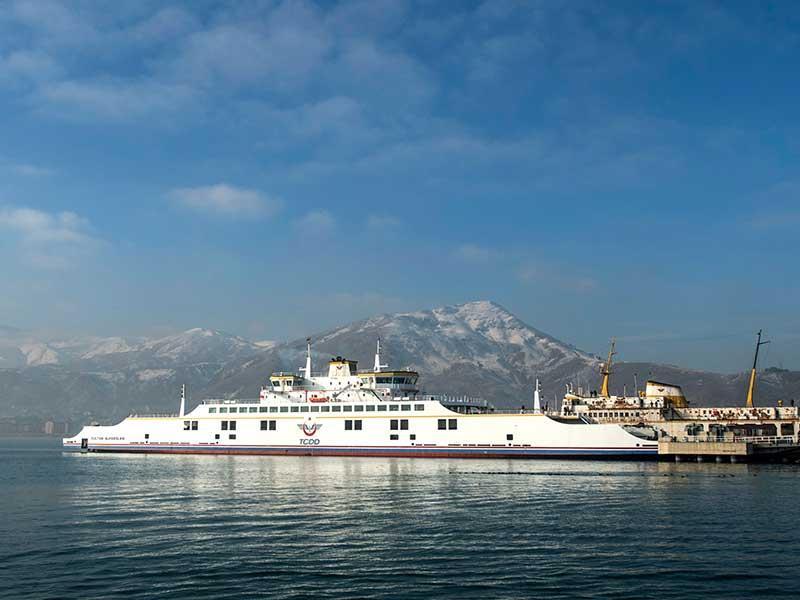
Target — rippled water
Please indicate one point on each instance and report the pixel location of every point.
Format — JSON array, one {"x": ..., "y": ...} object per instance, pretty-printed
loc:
[{"x": 123, "y": 526}]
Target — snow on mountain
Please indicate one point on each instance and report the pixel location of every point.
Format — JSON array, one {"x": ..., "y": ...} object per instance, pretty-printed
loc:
[
  {"x": 477, "y": 348},
  {"x": 198, "y": 346},
  {"x": 37, "y": 354}
]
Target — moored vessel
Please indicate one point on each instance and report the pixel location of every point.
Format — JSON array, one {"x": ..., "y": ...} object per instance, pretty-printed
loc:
[{"x": 347, "y": 412}]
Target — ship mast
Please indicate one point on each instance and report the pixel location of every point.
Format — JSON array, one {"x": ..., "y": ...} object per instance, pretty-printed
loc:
[
  {"x": 378, "y": 366},
  {"x": 752, "y": 387},
  {"x": 307, "y": 369},
  {"x": 606, "y": 370},
  {"x": 182, "y": 410},
  {"x": 537, "y": 404}
]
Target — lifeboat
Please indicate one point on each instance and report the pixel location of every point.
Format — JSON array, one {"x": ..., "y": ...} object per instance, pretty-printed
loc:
[{"x": 318, "y": 399}]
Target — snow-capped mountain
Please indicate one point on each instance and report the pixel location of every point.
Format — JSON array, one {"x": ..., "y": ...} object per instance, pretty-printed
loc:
[{"x": 477, "y": 349}]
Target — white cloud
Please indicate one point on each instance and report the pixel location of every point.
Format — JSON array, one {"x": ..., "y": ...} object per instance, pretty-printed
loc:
[
  {"x": 318, "y": 222},
  {"x": 48, "y": 240},
  {"x": 381, "y": 222},
  {"x": 223, "y": 200},
  {"x": 475, "y": 254}
]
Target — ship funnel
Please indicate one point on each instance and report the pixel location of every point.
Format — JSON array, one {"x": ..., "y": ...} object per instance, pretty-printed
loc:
[
  {"x": 182, "y": 410},
  {"x": 537, "y": 404}
]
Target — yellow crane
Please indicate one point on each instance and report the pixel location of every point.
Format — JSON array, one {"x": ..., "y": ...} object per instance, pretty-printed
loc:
[
  {"x": 606, "y": 370},
  {"x": 752, "y": 387}
]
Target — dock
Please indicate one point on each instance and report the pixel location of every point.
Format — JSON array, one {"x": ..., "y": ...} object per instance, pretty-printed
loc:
[{"x": 730, "y": 448}]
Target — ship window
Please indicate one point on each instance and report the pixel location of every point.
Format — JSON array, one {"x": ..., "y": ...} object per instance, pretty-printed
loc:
[
  {"x": 253, "y": 409},
  {"x": 405, "y": 407},
  {"x": 273, "y": 425},
  {"x": 336, "y": 409},
  {"x": 348, "y": 424},
  {"x": 264, "y": 425},
  {"x": 413, "y": 436},
  {"x": 394, "y": 407},
  {"x": 358, "y": 408},
  {"x": 370, "y": 408},
  {"x": 394, "y": 436},
  {"x": 303, "y": 409},
  {"x": 186, "y": 425},
  {"x": 284, "y": 409},
  {"x": 273, "y": 409},
  {"x": 442, "y": 423},
  {"x": 224, "y": 426},
  {"x": 325, "y": 408},
  {"x": 194, "y": 425},
  {"x": 212, "y": 410},
  {"x": 419, "y": 407},
  {"x": 315, "y": 409},
  {"x": 509, "y": 436},
  {"x": 295, "y": 409},
  {"x": 233, "y": 409},
  {"x": 147, "y": 436},
  {"x": 262, "y": 409},
  {"x": 393, "y": 424},
  {"x": 233, "y": 425},
  {"x": 404, "y": 424},
  {"x": 347, "y": 408},
  {"x": 381, "y": 408},
  {"x": 383, "y": 380},
  {"x": 232, "y": 436},
  {"x": 216, "y": 436},
  {"x": 452, "y": 423},
  {"x": 357, "y": 424},
  {"x": 223, "y": 409}
]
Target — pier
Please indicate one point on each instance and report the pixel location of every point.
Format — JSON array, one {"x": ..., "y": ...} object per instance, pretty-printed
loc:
[{"x": 730, "y": 448}]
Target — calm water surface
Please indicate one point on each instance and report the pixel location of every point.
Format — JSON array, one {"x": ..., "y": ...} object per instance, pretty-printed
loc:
[{"x": 126, "y": 526}]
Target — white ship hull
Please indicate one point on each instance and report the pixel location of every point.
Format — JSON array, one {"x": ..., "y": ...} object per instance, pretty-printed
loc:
[{"x": 401, "y": 429}]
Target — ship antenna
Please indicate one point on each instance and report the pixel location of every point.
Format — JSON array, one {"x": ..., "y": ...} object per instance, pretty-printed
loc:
[
  {"x": 752, "y": 387},
  {"x": 537, "y": 405},
  {"x": 307, "y": 369},
  {"x": 606, "y": 370},
  {"x": 182, "y": 410},
  {"x": 378, "y": 366}
]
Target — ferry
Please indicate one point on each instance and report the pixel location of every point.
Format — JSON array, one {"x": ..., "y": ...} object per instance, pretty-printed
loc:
[{"x": 347, "y": 412}]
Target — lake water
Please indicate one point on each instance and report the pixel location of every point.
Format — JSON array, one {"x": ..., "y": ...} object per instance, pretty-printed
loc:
[{"x": 128, "y": 526}]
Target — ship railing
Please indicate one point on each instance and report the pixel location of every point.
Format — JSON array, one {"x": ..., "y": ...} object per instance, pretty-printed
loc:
[
  {"x": 764, "y": 440},
  {"x": 447, "y": 399},
  {"x": 153, "y": 415},
  {"x": 231, "y": 401}
]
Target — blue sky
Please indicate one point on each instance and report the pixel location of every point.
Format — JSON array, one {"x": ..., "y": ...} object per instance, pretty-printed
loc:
[{"x": 275, "y": 168}]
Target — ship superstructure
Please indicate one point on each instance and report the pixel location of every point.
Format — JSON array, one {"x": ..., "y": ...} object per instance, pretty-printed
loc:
[{"x": 378, "y": 412}]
